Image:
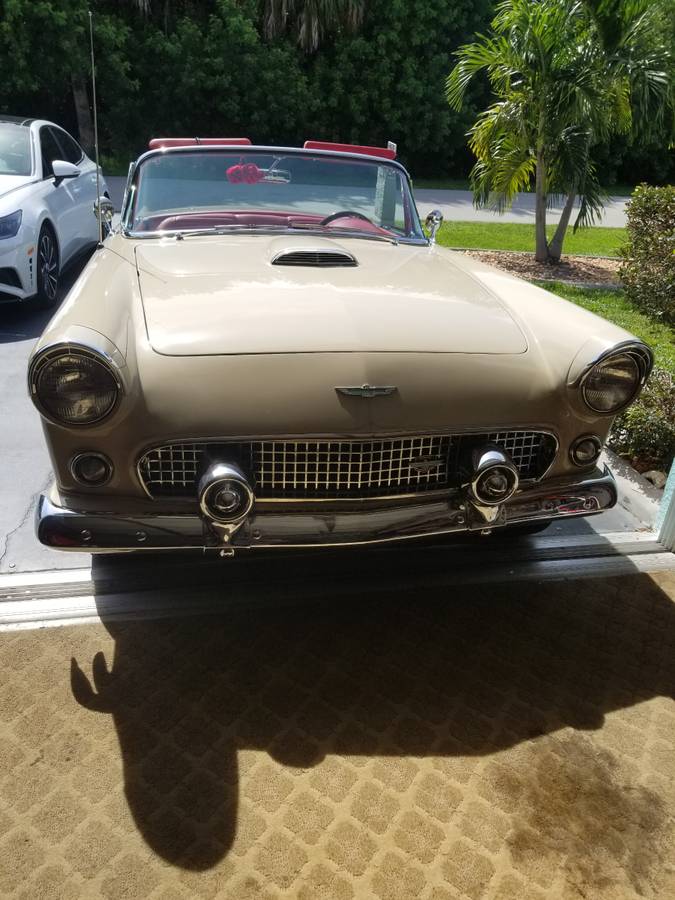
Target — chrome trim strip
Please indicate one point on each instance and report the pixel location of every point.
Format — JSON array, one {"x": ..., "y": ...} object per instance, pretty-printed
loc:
[
  {"x": 221, "y": 230},
  {"x": 127, "y": 192},
  {"x": 66, "y": 529},
  {"x": 623, "y": 347},
  {"x": 86, "y": 339}
]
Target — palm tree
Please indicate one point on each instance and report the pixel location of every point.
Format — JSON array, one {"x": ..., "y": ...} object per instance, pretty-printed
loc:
[
  {"x": 311, "y": 20},
  {"x": 566, "y": 74}
]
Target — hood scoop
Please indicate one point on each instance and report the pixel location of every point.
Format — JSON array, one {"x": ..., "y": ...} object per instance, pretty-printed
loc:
[
  {"x": 218, "y": 294},
  {"x": 319, "y": 259}
]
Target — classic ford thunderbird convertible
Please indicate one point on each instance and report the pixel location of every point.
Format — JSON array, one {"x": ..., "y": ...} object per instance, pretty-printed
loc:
[{"x": 270, "y": 351}]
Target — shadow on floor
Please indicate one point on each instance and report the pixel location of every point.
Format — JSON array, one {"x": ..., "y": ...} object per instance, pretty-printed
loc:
[{"x": 452, "y": 672}]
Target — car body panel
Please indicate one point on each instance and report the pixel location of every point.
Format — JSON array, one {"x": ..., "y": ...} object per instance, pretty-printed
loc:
[
  {"x": 9, "y": 184},
  {"x": 223, "y": 295}
]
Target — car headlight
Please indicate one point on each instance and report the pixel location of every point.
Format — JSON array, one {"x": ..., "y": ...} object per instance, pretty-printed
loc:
[
  {"x": 9, "y": 225},
  {"x": 74, "y": 386},
  {"x": 615, "y": 380}
]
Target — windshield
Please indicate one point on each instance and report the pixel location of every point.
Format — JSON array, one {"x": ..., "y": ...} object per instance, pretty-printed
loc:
[
  {"x": 15, "y": 150},
  {"x": 207, "y": 188}
]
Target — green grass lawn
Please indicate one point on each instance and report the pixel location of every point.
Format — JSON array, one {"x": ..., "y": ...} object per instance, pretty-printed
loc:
[
  {"x": 616, "y": 307},
  {"x": 594, "y": 241}
]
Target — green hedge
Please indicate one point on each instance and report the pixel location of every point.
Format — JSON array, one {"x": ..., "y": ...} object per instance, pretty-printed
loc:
[
  {"x": 203, "y": 67},
  {"x": 648, "y": 272},
  {"x": 645, "y": 433}
]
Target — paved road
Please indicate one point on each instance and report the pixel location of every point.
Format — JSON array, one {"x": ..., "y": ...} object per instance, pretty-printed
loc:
[{"x": 458, "y": 206}]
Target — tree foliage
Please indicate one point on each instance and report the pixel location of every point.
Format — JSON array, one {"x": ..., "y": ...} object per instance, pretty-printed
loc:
[
  {"x": 213, "y": 67},
  {"x": 566, "y": 75},
  {"x": 311, "y": 20},
  {"x": 176, "y": 66}
]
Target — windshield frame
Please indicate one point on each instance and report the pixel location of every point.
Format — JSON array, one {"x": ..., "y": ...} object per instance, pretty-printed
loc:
[{"x": 135, "y": 168}]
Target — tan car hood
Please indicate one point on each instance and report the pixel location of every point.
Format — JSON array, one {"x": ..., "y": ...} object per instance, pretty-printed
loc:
[{"x": 222, "y": 295}]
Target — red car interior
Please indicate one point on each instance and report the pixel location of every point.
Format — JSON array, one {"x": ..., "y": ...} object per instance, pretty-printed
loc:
[
  {"x": 250, "y": 174},
  {"x": 245, "y": 217}
]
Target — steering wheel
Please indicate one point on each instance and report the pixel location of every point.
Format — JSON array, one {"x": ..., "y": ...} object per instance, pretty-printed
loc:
[{"x": 345, "y": 213}]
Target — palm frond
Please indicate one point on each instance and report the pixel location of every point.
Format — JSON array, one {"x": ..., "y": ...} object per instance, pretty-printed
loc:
[
  {"x": 566, "y": 75},
  {"x": 311, "y": 20}
]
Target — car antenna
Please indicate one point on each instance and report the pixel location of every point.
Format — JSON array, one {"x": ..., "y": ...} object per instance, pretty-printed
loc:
[{"x": 93, "y": 97}]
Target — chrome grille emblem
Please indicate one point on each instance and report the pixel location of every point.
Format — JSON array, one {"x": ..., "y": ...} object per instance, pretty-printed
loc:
[
  {"x": 367, "y": 390},
  {"x": 426, "y": 464}
]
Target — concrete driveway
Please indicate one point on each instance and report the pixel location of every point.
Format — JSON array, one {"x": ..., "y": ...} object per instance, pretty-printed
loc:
[
  {"x": 510, "y": 742},
  {"x": 26, "y": 469},
  {"x": 458, "y": 206}
]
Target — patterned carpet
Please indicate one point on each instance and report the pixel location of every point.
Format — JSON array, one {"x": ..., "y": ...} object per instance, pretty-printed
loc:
[{"x": 511, "y": 742}]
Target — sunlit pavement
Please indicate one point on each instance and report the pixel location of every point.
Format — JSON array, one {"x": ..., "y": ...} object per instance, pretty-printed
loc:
[
  {"x": 458, "y": 206},
  {"x": 486, "y": 742}
]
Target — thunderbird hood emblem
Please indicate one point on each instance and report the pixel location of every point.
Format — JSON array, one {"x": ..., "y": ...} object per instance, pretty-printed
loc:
[{"x": 367, "y": 390}]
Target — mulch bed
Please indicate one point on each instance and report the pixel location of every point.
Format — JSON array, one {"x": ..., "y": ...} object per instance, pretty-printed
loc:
[{"x": 585, "y": 269}]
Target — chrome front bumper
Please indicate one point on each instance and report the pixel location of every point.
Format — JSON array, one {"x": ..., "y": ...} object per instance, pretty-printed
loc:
[{"x": 68, "y": 529}]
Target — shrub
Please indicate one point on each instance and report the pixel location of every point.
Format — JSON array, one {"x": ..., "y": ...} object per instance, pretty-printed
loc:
[
  {"x": 645, "y": 432},
  {"x": 648, "y": 272}
]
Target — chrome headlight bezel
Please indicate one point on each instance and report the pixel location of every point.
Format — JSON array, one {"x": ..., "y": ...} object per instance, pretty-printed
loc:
[
  {"x": 50, "y": 355},
  {"x": 639, "y": 355}
]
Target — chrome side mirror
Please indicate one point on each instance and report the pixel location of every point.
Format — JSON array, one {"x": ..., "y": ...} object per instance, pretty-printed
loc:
[
  {"x": 104, "y": 210},
  {"x": 432, "y": 223}
]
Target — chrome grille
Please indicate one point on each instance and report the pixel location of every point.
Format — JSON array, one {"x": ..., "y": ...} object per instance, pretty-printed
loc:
[
  {"x": 350, "y": 468},
  {"x": 522, "y": 446},
  {"x": 341, "y": 469}
]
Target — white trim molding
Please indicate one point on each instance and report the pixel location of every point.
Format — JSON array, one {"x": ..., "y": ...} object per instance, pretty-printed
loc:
[{"x": 665, "y": 522}]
